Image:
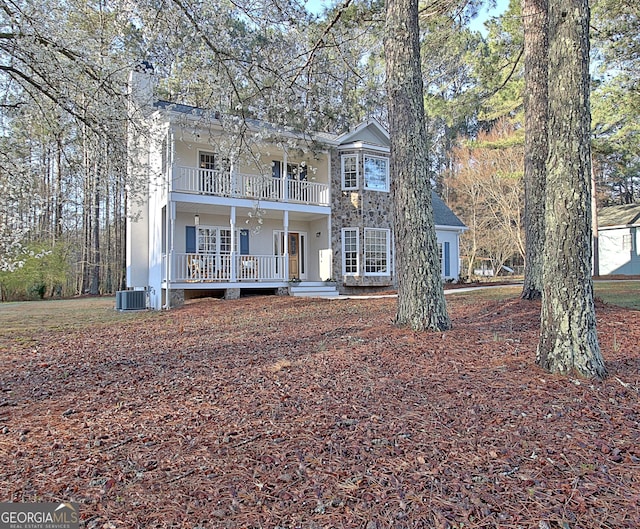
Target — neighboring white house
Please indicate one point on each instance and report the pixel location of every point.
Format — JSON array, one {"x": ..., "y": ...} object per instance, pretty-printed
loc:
[
  {"x": 218, "y": 207},
  {"x": 619, "y": 240}
]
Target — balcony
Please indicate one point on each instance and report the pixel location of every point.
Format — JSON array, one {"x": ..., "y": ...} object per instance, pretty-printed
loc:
[{"x": 251, "y": 186}]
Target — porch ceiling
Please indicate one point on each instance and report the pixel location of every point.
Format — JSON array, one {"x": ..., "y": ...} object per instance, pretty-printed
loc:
[{"x": 243, "y": 212}]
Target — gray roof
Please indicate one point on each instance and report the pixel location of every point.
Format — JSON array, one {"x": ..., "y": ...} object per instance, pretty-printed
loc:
[
  {"x": 190, "y": 110},
  {"x": 625, "y": 215},
  {"x": 442, "y": 215}
]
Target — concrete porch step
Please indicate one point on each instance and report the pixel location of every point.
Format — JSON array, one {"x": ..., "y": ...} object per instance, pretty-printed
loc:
[{"x": 316, "y": 289}]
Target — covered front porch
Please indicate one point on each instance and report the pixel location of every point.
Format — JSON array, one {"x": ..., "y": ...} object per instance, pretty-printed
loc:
[{"x": 215, "y": 246}]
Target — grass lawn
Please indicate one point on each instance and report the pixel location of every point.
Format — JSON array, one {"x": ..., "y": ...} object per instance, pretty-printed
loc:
[
  {"x": 619, "y": 293},
  {"x": 18, "y": 317},
  {"x": 29, "y": 317}
]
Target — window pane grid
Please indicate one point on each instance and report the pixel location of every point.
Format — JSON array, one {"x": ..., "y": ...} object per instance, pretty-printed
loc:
[
  {"x": 206, "y": 240},
  {"x": 376, "y": 251},
  {"x": 207, "y": 161},
  {"x": 215, "y": 240},
  {"x": 350, "y": 251},
  {"x": 225, "y": 241},
  {"x": 350, "y": 172}
]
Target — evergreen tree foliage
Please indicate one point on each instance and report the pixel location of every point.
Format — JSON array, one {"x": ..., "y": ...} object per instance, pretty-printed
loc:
[
  {"x": 616, "y": 100},
  {"x": 63, "y": 114}
]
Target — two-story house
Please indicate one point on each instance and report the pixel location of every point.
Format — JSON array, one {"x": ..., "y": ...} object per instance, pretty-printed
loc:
[{"x": 219, "y": 206}]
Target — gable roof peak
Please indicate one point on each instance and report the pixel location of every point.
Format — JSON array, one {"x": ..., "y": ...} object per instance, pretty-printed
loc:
[{"x": 367, "y": 129}]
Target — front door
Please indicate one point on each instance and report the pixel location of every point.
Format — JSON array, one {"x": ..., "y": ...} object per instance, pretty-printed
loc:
[{"x": 294, "y": 256}]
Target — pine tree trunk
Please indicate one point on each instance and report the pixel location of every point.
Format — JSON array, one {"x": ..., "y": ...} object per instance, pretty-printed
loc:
[
  {"x": 568, "y": 339},
  {"x": 59, "y": 199},
  {"x": 421, "y": 304},
  {"x": 96, "y": 258},
  {"x": 536, "y": 48}
]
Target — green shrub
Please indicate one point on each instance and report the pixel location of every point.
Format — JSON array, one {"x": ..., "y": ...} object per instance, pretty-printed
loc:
[{"x": 43, "y": 270}]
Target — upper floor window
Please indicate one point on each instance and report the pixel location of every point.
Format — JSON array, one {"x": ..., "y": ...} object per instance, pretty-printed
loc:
[
  {"x": 295, "y": 171},
  {"x": 350, "y": 171},
  {"x": 376, "y": 173},
  {"x": 208, "y": 161}
]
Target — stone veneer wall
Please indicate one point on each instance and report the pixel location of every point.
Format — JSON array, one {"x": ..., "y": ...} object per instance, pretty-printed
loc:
[
  {"x": 176, "y": 297},
  {"x": 362, "y": 208}
]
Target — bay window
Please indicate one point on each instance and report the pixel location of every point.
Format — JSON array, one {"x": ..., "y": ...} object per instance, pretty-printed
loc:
[
  {"x": 376, "y": 173},
  {"x": 377, "y": 252}
]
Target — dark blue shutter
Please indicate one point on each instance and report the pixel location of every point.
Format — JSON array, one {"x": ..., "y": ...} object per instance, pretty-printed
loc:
[
  {"x": 275, "y": 169},
  {"x": 190, "y": 239},
  {"x": 244, "y": 242},
  {"x": 447, "y": 260}
]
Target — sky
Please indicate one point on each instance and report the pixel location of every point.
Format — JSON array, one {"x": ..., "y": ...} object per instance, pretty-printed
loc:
[
  {"x": 478, "y": 23},
  {"x": 316, "y": 6}
]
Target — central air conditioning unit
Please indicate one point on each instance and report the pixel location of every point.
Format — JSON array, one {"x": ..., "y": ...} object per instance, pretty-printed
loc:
[{"x": 131, "y": 300}]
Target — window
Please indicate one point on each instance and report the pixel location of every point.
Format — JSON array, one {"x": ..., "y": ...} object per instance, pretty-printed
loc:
[
  {"x": 350, "y": 251},
  {"x": 350, "y": 171},
  {"x": 214, "y": 240},
  {"x": 208, "y": 166},
  {"x": 297, "y": 171},
  {"x": 376, "y": 252},
  {"x": 208, "y": 161},
  {"x": 376, "y": 173},
  {"x": 215, "y": 173},
  {"x": 207, "y": 239},
  {"x": 225, "y": 241},
  {"x": 444, "y": 252}
]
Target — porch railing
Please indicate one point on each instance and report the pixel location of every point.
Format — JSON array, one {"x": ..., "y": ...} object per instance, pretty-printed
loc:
[
  {"x": 212, "y": 268},
  {"x": 260, "y": 187}
]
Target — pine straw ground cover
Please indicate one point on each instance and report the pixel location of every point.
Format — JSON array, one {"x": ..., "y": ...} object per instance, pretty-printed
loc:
[{"x": 284, "y": 413}]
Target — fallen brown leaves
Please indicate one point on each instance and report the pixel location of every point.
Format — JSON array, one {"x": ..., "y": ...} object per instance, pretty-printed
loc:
[{"x": 277, "y": 412}]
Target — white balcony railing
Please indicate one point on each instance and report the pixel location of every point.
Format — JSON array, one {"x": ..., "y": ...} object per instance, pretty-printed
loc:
[
  {"x": 258, "y": 187},
  {"x": 212, "y": 268}
]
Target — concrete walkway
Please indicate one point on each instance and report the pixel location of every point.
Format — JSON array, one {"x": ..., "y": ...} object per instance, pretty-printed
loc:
[{"x": 447, "y": 292}]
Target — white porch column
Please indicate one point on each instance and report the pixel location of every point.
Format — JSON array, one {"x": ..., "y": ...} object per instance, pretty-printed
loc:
[
  {"x": 233, "y": 177},
  {"x": 233, "y": 243},
  {"x": 283, "y": 177},
  {"x": 171, "y": 226},
  {"x": 170, "y": 159},
  {"x": 285, "y": 246}
]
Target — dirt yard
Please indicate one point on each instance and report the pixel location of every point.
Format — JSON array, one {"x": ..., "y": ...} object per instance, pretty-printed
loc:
[{"x": 271, "y": 412}]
